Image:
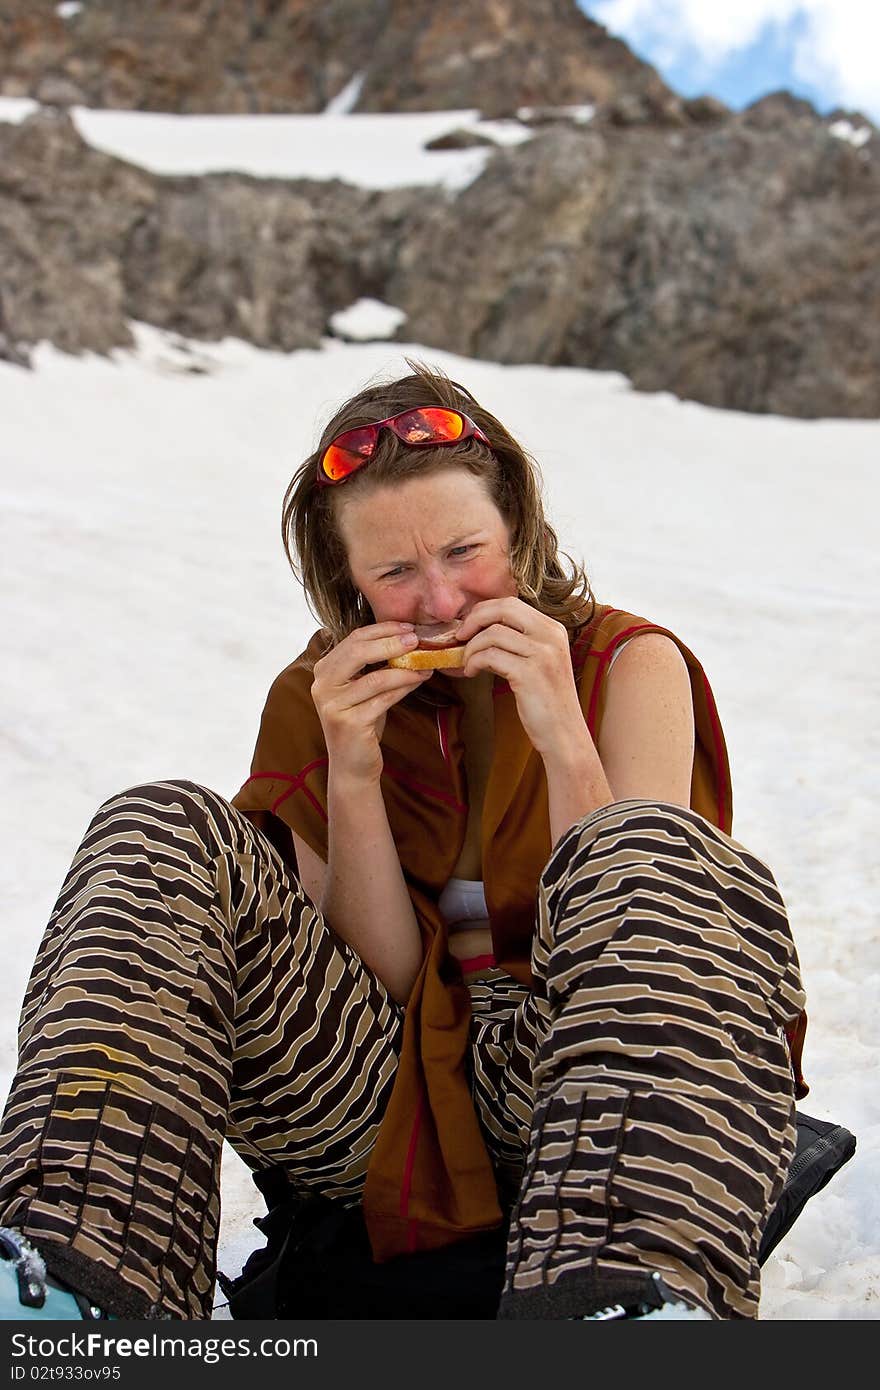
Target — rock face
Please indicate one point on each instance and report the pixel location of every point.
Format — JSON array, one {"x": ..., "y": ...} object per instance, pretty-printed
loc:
[
  {"x": 732, "y": 262},
  {"x": 298, "y": 55},
  {"x": 731, "y": 259},
  {"x": 735, "y": 264},
  {"x": 87, "y": 243}
]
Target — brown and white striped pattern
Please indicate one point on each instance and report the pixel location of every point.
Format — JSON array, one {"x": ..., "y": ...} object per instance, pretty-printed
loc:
[
  {"x": 186, "y": 989},
  {"x": 664, "y": 1103}
]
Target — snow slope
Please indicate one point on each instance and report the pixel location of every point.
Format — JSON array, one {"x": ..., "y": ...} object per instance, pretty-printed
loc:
[
  {"x": 148, "y": 607},
  {"x": 370, "y": 151}
]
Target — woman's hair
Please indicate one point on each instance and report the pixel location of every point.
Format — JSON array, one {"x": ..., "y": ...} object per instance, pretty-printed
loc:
[{"x": 310, "y": 525}]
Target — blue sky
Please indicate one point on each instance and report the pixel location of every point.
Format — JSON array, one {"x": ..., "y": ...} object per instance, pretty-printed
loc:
[{"x": 738, "y": 50}]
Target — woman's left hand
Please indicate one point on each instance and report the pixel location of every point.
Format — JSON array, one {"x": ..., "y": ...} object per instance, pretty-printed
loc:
[{"x": 531, "y": 652}]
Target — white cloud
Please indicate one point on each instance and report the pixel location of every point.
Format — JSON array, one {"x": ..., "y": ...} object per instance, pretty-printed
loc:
[
  {"x": 680, "y": 26},
  {"x": 835, "y": 50},
  {"x": 840, "y": 53}
]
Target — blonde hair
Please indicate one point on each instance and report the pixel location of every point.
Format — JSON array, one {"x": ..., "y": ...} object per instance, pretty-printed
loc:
[{"x": 310, "y": 529}]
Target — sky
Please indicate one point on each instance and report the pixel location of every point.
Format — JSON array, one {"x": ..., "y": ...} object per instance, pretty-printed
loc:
[{"x": 738, "y": 50}]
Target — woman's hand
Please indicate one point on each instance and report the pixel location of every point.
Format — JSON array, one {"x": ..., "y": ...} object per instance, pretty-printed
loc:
[
  {"x": 352, "y": 705},
  {"x": 531, "y": 652}
]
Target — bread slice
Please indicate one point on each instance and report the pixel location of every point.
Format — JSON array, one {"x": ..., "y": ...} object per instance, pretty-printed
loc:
[{"x": 429, "y": 659}]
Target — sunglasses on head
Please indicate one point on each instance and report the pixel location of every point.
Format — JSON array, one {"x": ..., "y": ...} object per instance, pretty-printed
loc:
[{"x": 419, "y": 428}]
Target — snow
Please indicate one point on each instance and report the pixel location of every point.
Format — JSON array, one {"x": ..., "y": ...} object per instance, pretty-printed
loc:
[
  {"x": 579, "y": 115},
  {"x": 347, "y": 99},
  {"x": 149, "y": 606},
  {"x": 16, "y": 109},
  {"x": 366, "y": 320},
  {"x": 369, "y": 151},
  {"x": 845, "y": 130}
]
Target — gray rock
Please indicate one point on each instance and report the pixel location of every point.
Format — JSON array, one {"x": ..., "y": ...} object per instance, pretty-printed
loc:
[
  {"x": 297, "y": 55},
  {"x": 65, "y": 215},
  {"x": 59, "y": 91},
  {"x": 705, "y": 110},
  {"x": 733, "y": 261},
  {"x": 506, "y": 257},
  {"x": 459, "y": 140},
  {"x": 735, "y": 264},
  {"x": 643, "y": 108},
  {"x": 88, "y": 243}
]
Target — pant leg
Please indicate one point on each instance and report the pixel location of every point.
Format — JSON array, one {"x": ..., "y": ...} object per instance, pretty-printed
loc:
[
  {"x": 664, "y": 1104},
  {"x": 185, "y": 988},
  {"x": 504, "y": 1030}
]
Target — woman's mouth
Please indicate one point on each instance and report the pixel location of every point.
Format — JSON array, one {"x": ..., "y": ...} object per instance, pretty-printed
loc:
[{"x": 433, "y": 636}]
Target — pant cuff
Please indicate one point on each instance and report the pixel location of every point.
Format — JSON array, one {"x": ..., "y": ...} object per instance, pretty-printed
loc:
[
  {"x": 100, "y": 1285},
  {"x": 581, "y": 1294}
]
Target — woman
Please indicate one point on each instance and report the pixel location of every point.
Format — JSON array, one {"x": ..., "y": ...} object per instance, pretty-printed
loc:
[{"x": 466, "y": 943}]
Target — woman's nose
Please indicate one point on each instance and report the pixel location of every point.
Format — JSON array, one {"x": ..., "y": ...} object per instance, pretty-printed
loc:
[{"x": 442, "y": 598}]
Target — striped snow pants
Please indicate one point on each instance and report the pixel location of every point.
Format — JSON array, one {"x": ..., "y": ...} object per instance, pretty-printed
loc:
[{"x": 638, "y": 1104}]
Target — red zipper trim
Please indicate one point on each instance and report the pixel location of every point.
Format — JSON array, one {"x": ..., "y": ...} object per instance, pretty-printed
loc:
[
  {"x": 725, "y": 806},
  {"x": 478, "y": 962},
  {"x": 297, "y": 783},
  {"x": 604, "y": 657},
  {"x": 407, "y": 781},
  {"x": 443, "y": 735},
  {"x": 406, "y": 1185},
  {"x": 443, "y": 731},
  {"x": 577, "y": 661}
]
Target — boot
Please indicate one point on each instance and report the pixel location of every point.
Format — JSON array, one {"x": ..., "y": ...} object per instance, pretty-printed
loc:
[{"x": 27, "y": 1290}]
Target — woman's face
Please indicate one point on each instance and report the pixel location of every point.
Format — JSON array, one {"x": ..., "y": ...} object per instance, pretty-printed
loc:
[{"x": 426, "y": 550}]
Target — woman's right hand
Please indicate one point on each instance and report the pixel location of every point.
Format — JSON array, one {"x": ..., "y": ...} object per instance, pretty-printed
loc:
[{"x": 352, "y": 704}]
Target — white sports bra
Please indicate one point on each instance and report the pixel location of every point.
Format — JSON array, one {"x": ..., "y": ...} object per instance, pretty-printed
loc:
[
  {"x": 616, "y": 653},
  {"x": 463, "y": 900}
]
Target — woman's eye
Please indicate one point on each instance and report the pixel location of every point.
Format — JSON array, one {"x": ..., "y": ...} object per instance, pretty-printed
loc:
[
  {"x": 461, "y": 549},
  {"x": 392, "y": 574}
]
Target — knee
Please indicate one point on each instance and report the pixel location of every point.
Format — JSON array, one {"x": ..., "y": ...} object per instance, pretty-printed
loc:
[
  {"x": 175, "y": 793},
  {"x": 669, "y": 873},
  {"x": 641, "y": 815},
  {"x": 174, "y": 807},
  {"x": 632, "y": 831}
]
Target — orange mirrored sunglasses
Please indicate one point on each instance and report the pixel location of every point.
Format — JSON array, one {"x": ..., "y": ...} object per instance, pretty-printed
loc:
[{"x": 419, "y": 428}]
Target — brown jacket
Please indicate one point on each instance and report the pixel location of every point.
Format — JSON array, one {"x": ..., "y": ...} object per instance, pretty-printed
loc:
[{"x": 430, "y": 1180}]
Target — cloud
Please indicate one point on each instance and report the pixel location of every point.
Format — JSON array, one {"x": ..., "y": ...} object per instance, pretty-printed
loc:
[
  {"x": 834, "y": 43},
  {"x": 839, "y": 54}
]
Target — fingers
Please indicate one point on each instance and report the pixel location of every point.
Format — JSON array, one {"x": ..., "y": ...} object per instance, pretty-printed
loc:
[
  {"x": 504, "y": 638},
  {"x": 352, "y": 713},
  {"x": 387, "y": 680},
  {"x": 512, "y": 612},
  {"x": 359, "y": 690},
  {"x": 495, "y": 659},
  {"x": 366, "y": 646},
  {"x": 513, "y": 654},
  {"x": 373, "y": 706}
]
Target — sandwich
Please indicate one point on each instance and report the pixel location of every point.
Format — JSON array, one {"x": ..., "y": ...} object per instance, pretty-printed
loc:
[{"x": 437, "y": 649}]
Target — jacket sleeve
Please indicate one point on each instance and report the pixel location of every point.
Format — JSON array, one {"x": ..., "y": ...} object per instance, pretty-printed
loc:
[{"x": 288, "y": 777}]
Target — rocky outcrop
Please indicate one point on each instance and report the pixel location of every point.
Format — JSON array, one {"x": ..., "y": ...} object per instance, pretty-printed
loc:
[
  {"x": 730, "y": 261},
  {"x": 738, "y": 264},
  {"x": 88, "y": 243},
  {"x": 65, "y": 215},
  {"x": 299, "y": 55}
]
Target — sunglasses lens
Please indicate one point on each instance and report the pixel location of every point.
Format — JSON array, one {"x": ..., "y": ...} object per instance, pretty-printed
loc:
[
  {"x": 348, "y": 452},
  {"x": 429, "y": 425}
]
